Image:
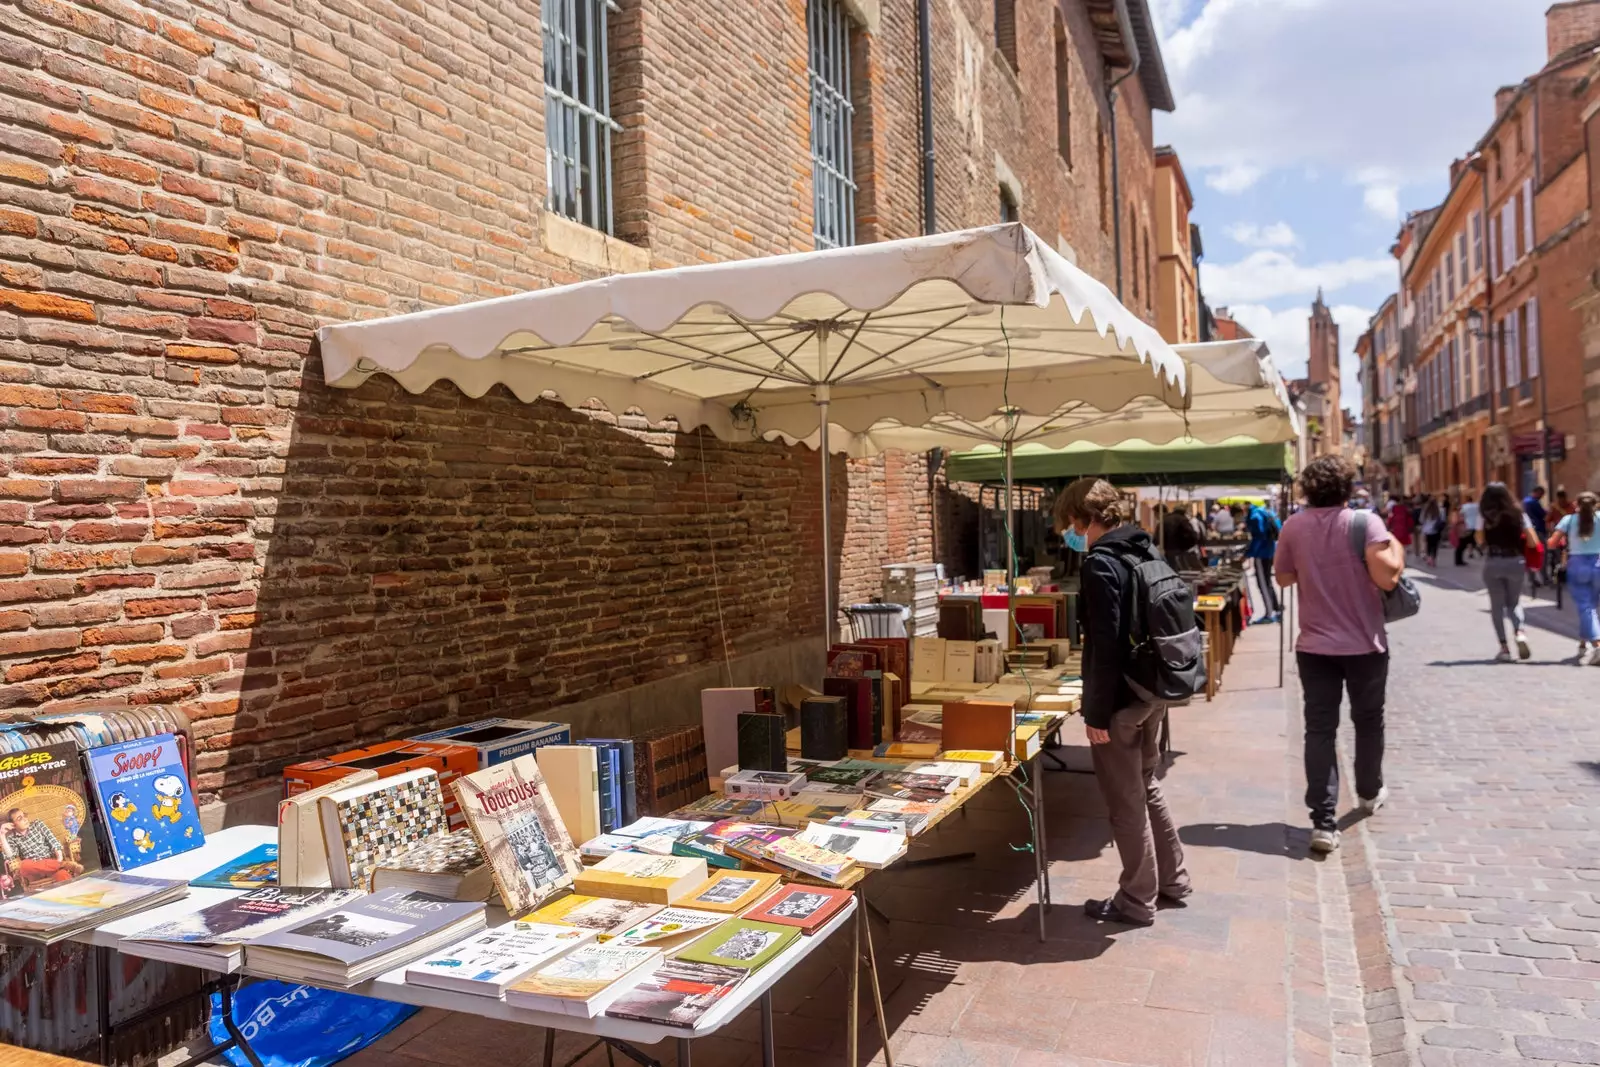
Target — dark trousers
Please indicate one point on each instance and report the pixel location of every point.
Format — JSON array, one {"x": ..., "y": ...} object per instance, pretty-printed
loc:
[
  {"x": 1267, "y": 585},
  {"x": 1461, "y": 549},
  {"x": 1324, "y": 679},
  {"x": 1147, "y": 841}
]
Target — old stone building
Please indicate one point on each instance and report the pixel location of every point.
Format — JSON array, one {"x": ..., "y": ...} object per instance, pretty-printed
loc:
[{"x": 188, "y": 191}]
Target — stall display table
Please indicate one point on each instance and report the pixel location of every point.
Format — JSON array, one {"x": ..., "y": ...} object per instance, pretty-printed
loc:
[{"x": 234, "y": 841}]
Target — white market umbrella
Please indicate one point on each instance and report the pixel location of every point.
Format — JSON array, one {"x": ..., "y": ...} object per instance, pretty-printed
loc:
[{"x": 785, "y": 346}]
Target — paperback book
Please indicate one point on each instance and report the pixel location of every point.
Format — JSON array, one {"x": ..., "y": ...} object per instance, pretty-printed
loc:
[
  {"x": 731, "y": 892},
  {"x": 798, "y": 854},
  {"x": 606, "y": 916},
  {"x": 807, "y": 908},
  {"x": 583, "y": 981},
  {"x": 254, "y": 869},
  {"x": 529, "y": 853},
  {"x": 642, "y": 877},
  {"x": 742, "y": 943},
  {"x": 66, "y": 908},
  {"x": 487, "y": 964},
  {"x": 669, "y": 926},
  {"x": 363, "y": 937},
  {"x": 866, "y": 847},
  {"x": 248, "y": 916},
  {"x": 143, "y": 792},
  {"x": 677, "y": 993},
  {"x": 48, "y": 835},
  {"x": 717, "y": 807}
]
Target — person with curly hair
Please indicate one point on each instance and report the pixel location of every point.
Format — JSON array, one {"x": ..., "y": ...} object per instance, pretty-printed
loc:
[
  {"x": 1342, "y": 645},
  {"x": 1123, "y": 725}
]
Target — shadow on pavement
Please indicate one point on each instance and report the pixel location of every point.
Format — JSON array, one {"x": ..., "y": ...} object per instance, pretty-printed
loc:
[{"x": 1269, "y": 839}]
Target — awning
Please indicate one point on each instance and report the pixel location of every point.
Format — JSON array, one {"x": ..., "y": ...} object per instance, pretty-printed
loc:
[{"x": 1135, "y": 463}]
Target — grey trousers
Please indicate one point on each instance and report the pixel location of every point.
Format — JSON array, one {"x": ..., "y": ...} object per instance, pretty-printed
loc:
[
  {"x": 1152, "y": 855},
  {"x": 1503, "y": 577}
]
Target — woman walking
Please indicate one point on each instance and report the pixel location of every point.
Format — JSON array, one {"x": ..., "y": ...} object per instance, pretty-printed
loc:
[
  {"x": 1401, "y": 524},
  {"x": 1432, "y": 530},
  {"x": 1576, "y": 531},
  {"x": 1506, "y": 535}
]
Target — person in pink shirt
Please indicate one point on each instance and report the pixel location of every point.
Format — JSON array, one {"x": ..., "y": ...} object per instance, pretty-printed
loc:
[{"x": 1341, "y": 645}]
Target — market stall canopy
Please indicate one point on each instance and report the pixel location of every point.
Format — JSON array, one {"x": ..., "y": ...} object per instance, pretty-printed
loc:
[
  {"x": 1234, "y": 391},
  {"x": 1236, "y": 462},
  {"x": 958, "y": 323}
]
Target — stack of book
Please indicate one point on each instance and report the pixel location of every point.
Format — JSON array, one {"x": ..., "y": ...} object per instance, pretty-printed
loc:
[
  {"x": 450, "y": 866},
  {"x": 213, "y": 938},
  {"x": 584, "y": 981},
  {"x": 486, "y": 965}
]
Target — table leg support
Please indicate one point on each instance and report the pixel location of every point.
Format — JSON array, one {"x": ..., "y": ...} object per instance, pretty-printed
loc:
[
  {"x": 102, "y": 984},
  {"x": 877, "y": 992},
  {"x": 853, "y": 1014},
  {"x": 232, "y": 1027},
  {"x": 1041, "y": 833},
  {"x": 684, "y": 1053},
  {"x": 769, "y": 1046}
]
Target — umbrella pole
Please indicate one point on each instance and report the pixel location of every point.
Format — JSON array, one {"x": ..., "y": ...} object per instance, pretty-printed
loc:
[
  {"x": 824, "y": 391},
  {"x": 1011, "y": 554}
]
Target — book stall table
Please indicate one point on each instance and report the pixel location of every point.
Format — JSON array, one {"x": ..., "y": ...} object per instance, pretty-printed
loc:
[{"x": 623, "y": 1034}]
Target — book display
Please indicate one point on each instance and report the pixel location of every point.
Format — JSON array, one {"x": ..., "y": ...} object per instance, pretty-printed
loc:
[
  {"x": 366, "y": 826},
  {"x": 48, "y": 834},
  {"x": 583, "y": 981},
  {"x": 63, "y": 909},
  {"x": 487, "y": 964},
  {"x": 643, "y": 878},
  {"x": 677, "y": 993},
  {"x": 449, "y": 866},
  {"x": 512, "y": 815}
]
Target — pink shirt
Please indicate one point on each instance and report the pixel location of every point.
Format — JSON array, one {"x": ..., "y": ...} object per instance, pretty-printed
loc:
[{"x": 1341, "y": 609}]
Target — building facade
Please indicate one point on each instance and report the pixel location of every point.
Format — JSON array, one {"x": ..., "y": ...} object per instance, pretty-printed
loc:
[
  {"x": 1177, "y": 288},
  {"x": 1378, "y": 351},
  {"x": 1320, "y": 389},
  {"x": 187, "y": 192}
]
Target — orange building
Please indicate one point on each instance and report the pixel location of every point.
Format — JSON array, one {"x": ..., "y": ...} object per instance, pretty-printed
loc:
[{"x": 1177, "y": 295}]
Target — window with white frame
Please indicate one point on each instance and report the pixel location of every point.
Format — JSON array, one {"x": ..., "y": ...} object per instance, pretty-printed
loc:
[
  {"x": 833, "y": 185},
  {"x": 1477, "y": 242},
  {"x": 578, "y": 123}
]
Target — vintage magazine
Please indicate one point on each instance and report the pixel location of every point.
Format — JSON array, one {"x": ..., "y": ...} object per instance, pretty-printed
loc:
[{"x": 523, "y": 839}]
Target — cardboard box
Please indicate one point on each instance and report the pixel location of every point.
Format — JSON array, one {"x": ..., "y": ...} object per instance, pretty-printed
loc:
[
  {"x": 502, "y": 740},
  {"x": 389, "y": 758}
]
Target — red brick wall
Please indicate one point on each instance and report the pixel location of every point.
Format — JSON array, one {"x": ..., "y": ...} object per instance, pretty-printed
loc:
[
  {"x": 188, "y": 515},
  {"x": 1570, "y": 24}
]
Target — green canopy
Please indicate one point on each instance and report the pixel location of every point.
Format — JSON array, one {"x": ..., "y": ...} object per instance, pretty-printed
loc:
[{"x": 1239, "y": 462}]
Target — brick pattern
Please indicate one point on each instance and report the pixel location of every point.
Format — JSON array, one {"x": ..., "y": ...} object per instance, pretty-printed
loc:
[{"x": 189, "y": 189}]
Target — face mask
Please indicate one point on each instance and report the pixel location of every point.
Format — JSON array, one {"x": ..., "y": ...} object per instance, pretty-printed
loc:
[{"x": 1075, "y": 540}]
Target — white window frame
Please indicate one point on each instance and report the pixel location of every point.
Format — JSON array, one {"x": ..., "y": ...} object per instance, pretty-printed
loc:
[{"x": 833, "y": 179}]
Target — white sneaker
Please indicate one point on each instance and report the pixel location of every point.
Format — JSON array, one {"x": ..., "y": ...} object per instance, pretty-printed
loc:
[
  {"x": 1523, "y": 651},
  {"x": 1503, "y": 656},
  {"x": 1324, "y": 841},
  {"x": 1370, "y": 805},
  {"x": 1594, "y": 656}
]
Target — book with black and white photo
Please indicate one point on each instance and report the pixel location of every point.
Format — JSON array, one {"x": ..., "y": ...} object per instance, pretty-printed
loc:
[
  {"x": 211, "y": 938},
  {"x": 677, "y": 993},
  {"x": 487, "y": 964},
  {"x": 869, "y": 848},
  {"x": 363, "y": 938}
]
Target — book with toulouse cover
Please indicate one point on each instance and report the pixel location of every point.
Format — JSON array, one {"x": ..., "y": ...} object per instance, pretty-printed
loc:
[
  {"x": 54, "y": 839},
  {"x": 524, "y": 841},
  {"x": 143, "y": 793},
  {"x": 677, "y": 993}
]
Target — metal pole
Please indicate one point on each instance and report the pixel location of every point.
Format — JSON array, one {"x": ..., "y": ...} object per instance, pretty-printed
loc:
[
  {"x": 823, "y": 395},
  {"x": 1011, "y": 550}
]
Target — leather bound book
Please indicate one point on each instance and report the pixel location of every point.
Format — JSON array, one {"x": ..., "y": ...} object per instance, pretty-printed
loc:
[
  {"x": 979, "y": 724},
  {"x": 763, "y": 742},
  {"x": 858, "y": 694},
  {"x": 824, "y": 728}
]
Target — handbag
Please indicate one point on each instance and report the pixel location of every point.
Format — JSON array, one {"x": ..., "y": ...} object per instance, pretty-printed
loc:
[
  {"x": 1405, "y": 599},
  {"x": 1533, "y": 556}
]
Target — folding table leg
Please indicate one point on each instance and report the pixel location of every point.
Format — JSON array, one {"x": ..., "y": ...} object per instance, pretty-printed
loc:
[
  {"x": 853, "y": 1012},
  {"x": 549, "y": 1047},
  {"x": 769, "y": 1046},
  {"x": 102, "y": 983},
  {"x": 233, "y": 1028},
  {"x": 684, "y": 1055},
  {"x": 877, "y": 992}
]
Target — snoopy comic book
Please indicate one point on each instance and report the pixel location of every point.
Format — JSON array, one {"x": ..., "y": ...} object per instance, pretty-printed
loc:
[{"x": 144, "y": 797}]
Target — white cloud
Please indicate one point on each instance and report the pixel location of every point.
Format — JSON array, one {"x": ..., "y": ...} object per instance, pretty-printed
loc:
[
  {"x": 1287, "y": 332},
  {"x": 1341, "y": 86},
  {"x": 1273, "y": 235},
  {"x": 1267, "y": 274},
  {"x": 1234, "y": 178}
]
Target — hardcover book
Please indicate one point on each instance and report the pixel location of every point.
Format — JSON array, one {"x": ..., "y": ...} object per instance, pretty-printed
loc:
[
  {"x": 742, "y": 943},
  {"x": 627, "y": 776},
  {"x": 302, "y": 853},
  {"x": 524, "y": 841},
  {"x": 640, "y": 877},
  {"x": 606, "y": 916},
  {"x": 143, "y": 794},
  {"x": 731, "y": 892},
  {"x": 580, "y": 982},
  {"x": 572, "y": 775},
  {"x": 671, "y": 766},
  {"x": 363, "y": 937},
  {"x": 763, "y": 741},
  {"x": 669, "y": 926},
  {"x": 485, "y": 965},
  {"x": 449, "y": 865},
  {"x": 254, "y": 869},
  {"x": 807, "y": 908},
  {"x": 48, "y": 834},
  {"x": 248, "y": 916},
  {"x": 719, "y": 713},
  {"x": 677, "y": 993},
  {"x": 366, "y": 826},
  {"x": 824, "y": 727}
]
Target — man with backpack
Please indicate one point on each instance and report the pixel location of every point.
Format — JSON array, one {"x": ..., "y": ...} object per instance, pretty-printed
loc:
[
  {"x": 1343, "y": 561},
  {"x": 1263, "y": 527},
  {"x": 1141, "y": 652}
]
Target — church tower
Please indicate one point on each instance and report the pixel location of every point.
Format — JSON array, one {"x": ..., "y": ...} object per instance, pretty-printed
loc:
[{"x": 1322, "y": 371}]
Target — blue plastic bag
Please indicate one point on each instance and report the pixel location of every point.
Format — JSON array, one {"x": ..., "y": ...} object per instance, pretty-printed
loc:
[{"x": 303, "y": 1026}]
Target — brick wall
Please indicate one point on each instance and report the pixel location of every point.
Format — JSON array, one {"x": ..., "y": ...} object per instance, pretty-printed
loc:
[{"x": 188, "y": 190}]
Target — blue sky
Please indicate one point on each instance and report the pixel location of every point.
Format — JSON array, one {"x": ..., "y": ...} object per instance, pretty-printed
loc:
[{"x": 1309, "y": 127}]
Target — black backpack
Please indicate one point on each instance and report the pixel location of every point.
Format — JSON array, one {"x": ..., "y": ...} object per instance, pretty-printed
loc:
[{"x": 1167, "y": 660}]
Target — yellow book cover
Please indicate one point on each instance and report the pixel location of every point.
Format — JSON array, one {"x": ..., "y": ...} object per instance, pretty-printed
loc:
[
  {"x": 606, "y": 916},
  {"x": 640, "y": 876},
  {"x": 731, "y": 891},
  {"x": 988, "y": 759}
]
